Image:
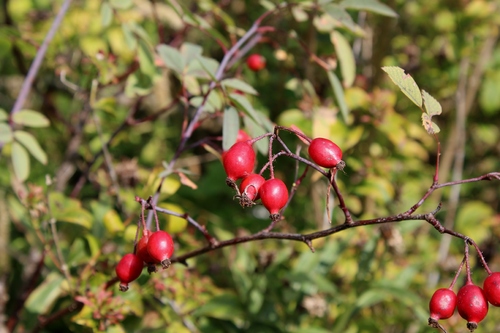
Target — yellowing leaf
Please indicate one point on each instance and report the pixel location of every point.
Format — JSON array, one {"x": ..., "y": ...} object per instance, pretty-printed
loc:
[
  {"x": 113, "y": 222},
  {"x": 429, "y": 125},
  {"x": 175, "y": 224},
  {"x": 186, "y": 181},
  {"x": 346, "y": 58}
]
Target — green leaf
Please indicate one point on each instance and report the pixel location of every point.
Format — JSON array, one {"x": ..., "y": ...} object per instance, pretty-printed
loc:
[
  {"x": 171, "y": 57},
  {"x": 231, "y": 125},
  {"x": 146, "y": 59},
  {"x": 121, "y": 4},
  {"x": 339, "y": 14},
  {"x": 338, "y": 91},
  {"x": 20, "y": 161},
  {"x": 256, "y": 130},
  {"x": 41, "y": 300},
  {"x": 106, "y": 14},
  {"x": 242, "y": 103},
  {"x": 369, "y": 5},
  {"x": 225, "y": 306},
  {"x": 209, "y": 65},
  {"x": 30, "y": 118},
  {"x": 113, "y": 222},
  {"x": 345, "y": 56},
  {"x": 405, "y": 82},
  {"x": 239, "y": 85},
  {"x": 3, "y": 115},
  {"x": 5, "y": 133},
  {"x": 30, "y": 143},
  {"x": 130, "y": 39},
  {"x": 69, "y": 210},
  {"x": 430, "y": 126},
  {"x": 432, "y": 106},
  {"x": 190, "y": 52}
]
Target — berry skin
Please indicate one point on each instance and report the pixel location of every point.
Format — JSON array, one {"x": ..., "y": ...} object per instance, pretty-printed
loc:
[
  {"x": 256, "y": 62},
  {"x": 249, "y": 189},
  {"x": 472, "y": 304},
  {"x": 442, "y": 305},
  {"x": 326, "y": 154},
  {"x": 274, "y": 196},
  {"x": 161, "y": 247},
  {"x": 243, "y": 136},
  {"x": 239, "y": 160},
  {"x": 491, "y": 287},
  {"x": 142, "y": 251},
  {"x": 128, "y": 269}
]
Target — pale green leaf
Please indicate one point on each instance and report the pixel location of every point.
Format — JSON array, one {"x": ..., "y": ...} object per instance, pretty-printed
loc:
[
  {"x": 113, "y": 222},
  {"x": 3, "y": 115},
  {"x": 106, "y": 14},
  {"x": 190, "y": 52},
  {"x": 230, "y": 127},
  {"x": 346, "y": 57},
  {"x": 432, "y": 106},
  {"x": 5, "y": 133},
  {"x": 256, "y": 130},
  {"x": 146, "y": 59},
  {"x": 121, "y": 4},
  {"x": 41, "y": 300},
  {"x": 20, "y": 161},
  {"x": 370, "y": 6},
  {"x": 239, "y": 85},
  {"x": 31, "y": 143},
  {"x": 405, "y": 82},
  {"x": 130, "y": 39},
  {"x": 338, "y": 91},
  {"x": 209, "y": 65},
  {"x": 171, "y": 57},
  {"x": 339, "y": 14},
  {"x": 30, "y": 118},
  {"x": 242, "y": 103}
]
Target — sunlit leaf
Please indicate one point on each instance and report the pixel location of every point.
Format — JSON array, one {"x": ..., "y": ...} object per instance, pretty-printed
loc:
[
  {"x": 369, "y": 5},
  {"x": 30, "y": 143},
  {"x": 41, "y": 300},
  {"x": 113, "y": 222},
  {"x": 242, "y": 103},
  {"x": 106, "y": 14},
  {"x": 5, "y": 133},
  {"x": 146, "y": 59},
  {"x": 190, "y": 52},
  {"x": 209, "y": 65},
  {"x": 239, "y": 85},
  {"x": 346, "y": 57},
  {"x": 405, "y": 82},
  {"x": 171, "y": 57},
  {"x": 20, "y": 161},
  {"x": 432, "y": 106},
  {"x": 121, "y": 4},
  {"x": 230, "y": 127},
  {"x": 174, "y": 224},
  {"x": 30, "y": 118},
  {"x": 3, "y": 115},
  {"x": 338, "y": 91}
]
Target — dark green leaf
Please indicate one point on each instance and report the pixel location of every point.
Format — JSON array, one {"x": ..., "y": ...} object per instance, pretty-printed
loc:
[{"x": 225, "y": 306}]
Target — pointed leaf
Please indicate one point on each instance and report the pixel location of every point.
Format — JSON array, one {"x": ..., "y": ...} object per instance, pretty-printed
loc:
[
  {"x": 5, "y": 133},
  {"x": 432, "y": 106},
  {"x": 340, "y": 15},
  {"x": 370, "y": 6},
  {"x": 231, "y": 125},
  {"x": 209, "y": 65},
  {"x": 405, "y": 82},
  {"x": 256, "y": 130},
  {"x": 190, "y": 52},
  {"x": 241, "y": 102},
  {"x": 239, "y": 85},
  {"x": 345, "y": 56},
  {"x": 338, "y": 91},
  {"x": 3, "y": 115},
  {"x": 40, "y": 301},
  {"x": 30, "y": 118},
  {"x": 20, "y": 161},
  {"x": 30, "y": 143},
  {"x": 171, "y": 57},
  {"x": 186, "y": 181}
]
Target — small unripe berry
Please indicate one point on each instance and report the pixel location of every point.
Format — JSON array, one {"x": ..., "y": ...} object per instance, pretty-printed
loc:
[
  {"x": 256, "y": 62},
  {"x": 491, "y": 287},
  {"x": 274, "y": 196},
  {"x": 128, "y": 269},
  {"x": 472, "y": 304},
  {"x": 239, "y": 160},
  {"x": 161, "y": 247},
  {"x": 326, "y": 154}
]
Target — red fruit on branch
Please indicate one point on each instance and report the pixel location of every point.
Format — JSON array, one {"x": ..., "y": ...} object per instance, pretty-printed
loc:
[
  {"x": 161, "y": 247},
  {"x": 442, "y": 305},
  {"x": 249, "y": 189},
  {"x": 243, "y": 136},
  {"x": 326, "y": 154},
  {"x": 128, "y": 269},
  {"x": 142, "y": 251},
  {"x": 472, "y": 304},
  {"x": 239, "y": 160},
  {"x": 491, "y": 287},
  {"x": 274, "y": 196},
  {"x": 256, "y": 62}
]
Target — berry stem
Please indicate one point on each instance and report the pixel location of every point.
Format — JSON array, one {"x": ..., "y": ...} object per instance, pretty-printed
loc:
[
  {"x": 271, "y": 167},
  {"x": 291, "y": 130},
  {"x": 457, "y": 274},
  {"x": 467, "y": 265}
]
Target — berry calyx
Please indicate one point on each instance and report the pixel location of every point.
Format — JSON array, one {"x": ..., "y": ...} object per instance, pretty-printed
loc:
[
  {"x": 161, "y": 247},
  {"x": 142, "y": 251},
  {"x": 242, "y": 136},
  {"x": 249, "y": 189},
  {"x": 326, "y": 154},
  {"x": 491, "y": 287},
  {"x": 128, "y": 269},
  {"x": 442, "y": 305},
  {"x": 472, "y": 304},
  {"x": 238, "y": 161},
  {"x": 256, "y": 62},
  {"x": 274, "y": 196}
]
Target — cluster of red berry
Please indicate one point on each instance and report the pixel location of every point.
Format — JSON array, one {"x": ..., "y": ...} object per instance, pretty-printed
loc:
[
  {"x": 239, "y": 163},
  {"x": 471, "y": 301},
  {"x": 154, "y": 248}
]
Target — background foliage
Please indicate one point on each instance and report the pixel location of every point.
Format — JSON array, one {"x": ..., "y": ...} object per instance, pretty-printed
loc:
[{"x": 110, "y": 104}]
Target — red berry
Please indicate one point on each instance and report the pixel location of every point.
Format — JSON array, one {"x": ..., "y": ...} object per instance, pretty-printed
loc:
[
  {"x": 142, "y": 251},
  {"x": 256, "y": 62},
  {"x": 326, "y": 154},
  {"x": 442, "y": 304},
  {"x": 274, "y": 196},
  {"x": 239, "y": 160},
  {"x": 243, "y": 136},
  {"x": 472, "y": 305},
  {"x": 161, "y": 247},
  {"x": 250, "y": 186},
  {"x": 491, "y": 287},
  {"x": 128, "y": 269}
]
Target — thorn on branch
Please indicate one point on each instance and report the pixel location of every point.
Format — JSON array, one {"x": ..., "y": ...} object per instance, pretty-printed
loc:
[{"x": 309, "y": 244}]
